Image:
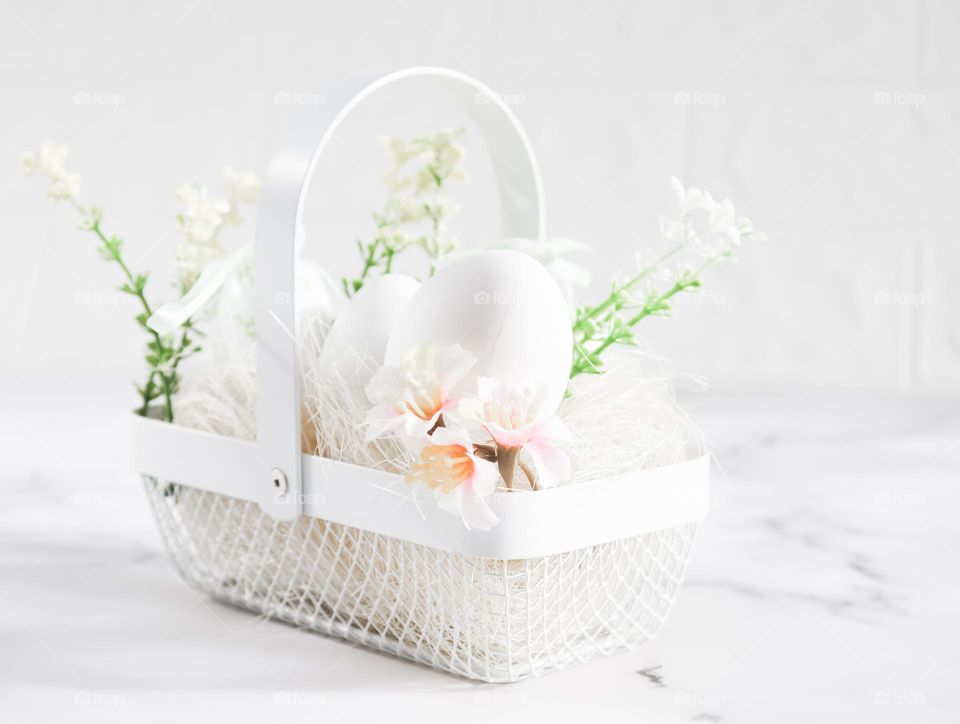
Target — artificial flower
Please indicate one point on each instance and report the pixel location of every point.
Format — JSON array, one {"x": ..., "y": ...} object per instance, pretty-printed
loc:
[
  {"x": 51, "y": 158},
  {"x": 165, "y": 353},
  {"x": 710, "y": 226},
  {"x": 90, "y": 219},
  {"x": 461, "y": 481},
  {"x": 413, "y": 397},
  {"x": 242, "y": 187},
  {"x": 417, "y": 210},
  {"x": 64, "y": 185},
  {"x": 406, "y": 209},
  {"x": 513, "y": 414},
  {"x": 439, "y": 155},
  {"x": 202, "y": 216},
  {"x": 28, "y": 163}
]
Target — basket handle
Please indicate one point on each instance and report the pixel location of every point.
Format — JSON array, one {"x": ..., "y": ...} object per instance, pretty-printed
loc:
[{"x": 289, "y": 174}]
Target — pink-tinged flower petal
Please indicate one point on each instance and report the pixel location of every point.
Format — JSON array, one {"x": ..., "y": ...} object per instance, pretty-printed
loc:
[
  {"x": 488, "y": 388},
  {"x": 385, "y": 385},
  {"x": 551, "y": 429},
  {"x": 511, "y": 405},
  {"x": 506, "y": 437},
  {"x": 469, "y": 500},
  {"x": 460, "y": 480},
  {"x": 452, "y": 363},
  {"x": 514, "y": 416},
  {"x": 381, "y": 420},
  {"x": 452, "y": 436},
  {"x": 415, "y": 427},
  {"x": 486, "y": 478},
  {"x": 417, "y": 392},
  {"x": 466, "y": 411},
  {"x": 552, "y": 464}
]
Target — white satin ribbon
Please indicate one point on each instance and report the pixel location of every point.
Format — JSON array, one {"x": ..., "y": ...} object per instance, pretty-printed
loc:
[{"x": 172, "y": 315}]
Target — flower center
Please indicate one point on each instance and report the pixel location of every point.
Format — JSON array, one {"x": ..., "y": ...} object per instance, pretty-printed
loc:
[
  {"x": 441, "y": 466},
  {"x": 421, "y": 402},
  {"x": 509, "y": 423}
]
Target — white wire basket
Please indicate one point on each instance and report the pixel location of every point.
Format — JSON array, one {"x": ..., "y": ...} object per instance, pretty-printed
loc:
[{"x": 568, "y": 574}]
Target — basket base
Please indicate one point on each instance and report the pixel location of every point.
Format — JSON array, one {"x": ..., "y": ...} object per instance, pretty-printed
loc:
[{"x": 485, "y": 619}]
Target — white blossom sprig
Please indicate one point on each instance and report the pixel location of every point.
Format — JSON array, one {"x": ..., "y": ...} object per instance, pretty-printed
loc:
[
  {"x": 707, "y": 229},
  {"x": 201, "y": 221},
  {"x": 164, "y": 353},
  {"x": 417, "y": 210},
  {"x": 204, "y": 217}
]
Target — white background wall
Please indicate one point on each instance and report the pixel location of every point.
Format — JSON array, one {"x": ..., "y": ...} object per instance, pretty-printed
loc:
[{"x": 778, "y": 105}]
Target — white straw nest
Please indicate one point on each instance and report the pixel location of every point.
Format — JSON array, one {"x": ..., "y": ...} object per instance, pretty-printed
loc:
[{"x": 624, "y": 420}]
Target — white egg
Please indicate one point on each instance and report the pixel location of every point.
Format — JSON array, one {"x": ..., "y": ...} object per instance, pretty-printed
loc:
[
  {"x": 502, "y": 306},
  {"x": 355, "y": 345}
]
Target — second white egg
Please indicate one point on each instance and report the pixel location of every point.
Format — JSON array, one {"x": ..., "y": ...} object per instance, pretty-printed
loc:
[{"x": 355, "y": 345}]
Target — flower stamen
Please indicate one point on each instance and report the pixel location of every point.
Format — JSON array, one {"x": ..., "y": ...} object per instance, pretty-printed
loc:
[{"x": 442, "y": 466}]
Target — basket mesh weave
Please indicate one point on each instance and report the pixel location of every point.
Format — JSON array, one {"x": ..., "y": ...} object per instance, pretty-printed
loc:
[{"x": 488, "y": 619}]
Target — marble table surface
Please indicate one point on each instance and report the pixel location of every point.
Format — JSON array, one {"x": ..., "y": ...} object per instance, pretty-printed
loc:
[{"x": 825, "y": 586}]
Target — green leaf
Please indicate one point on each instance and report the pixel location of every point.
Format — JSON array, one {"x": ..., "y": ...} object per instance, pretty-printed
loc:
[
  {"x": 587, "y": 327},
  {"x": 111, "y": 248}
]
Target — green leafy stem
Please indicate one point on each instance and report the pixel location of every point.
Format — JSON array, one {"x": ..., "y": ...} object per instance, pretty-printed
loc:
[
  {"x": 597, "y": 328},
  {"x": 164, "y": 353},
  {"x": 378, "y": 255}
]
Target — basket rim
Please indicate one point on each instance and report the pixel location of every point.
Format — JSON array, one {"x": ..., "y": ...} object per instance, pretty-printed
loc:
[{"x": 531, "y": 524}]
